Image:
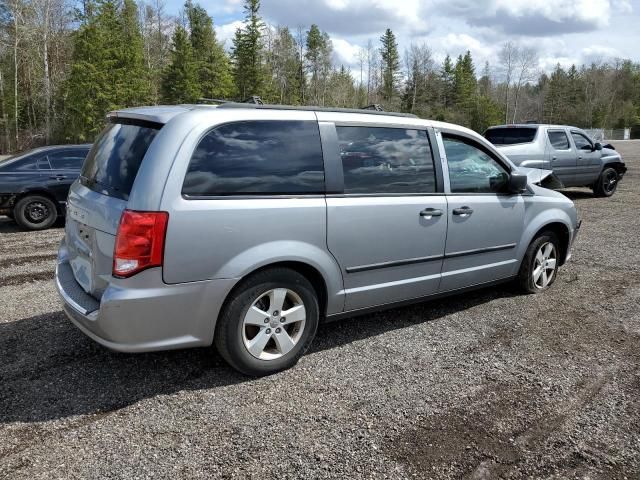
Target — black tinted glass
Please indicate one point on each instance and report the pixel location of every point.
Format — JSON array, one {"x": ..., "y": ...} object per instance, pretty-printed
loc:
[
  {"x": 511, "y": 135},
  {"x": 67, "y": 159},
  {"x": 113, "y": 162},
  {"x": 582, "y": 143},
  {"x": 471, "y": 169},
  {"x": 257, "y": 157},
  {"x": 386, "y": 160},
  {"x": 559, "y": 140},
  {"x": 26, "y": 164}
]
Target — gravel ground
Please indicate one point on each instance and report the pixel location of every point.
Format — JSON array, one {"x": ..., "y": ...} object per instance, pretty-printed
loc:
[{"x": 486, "y": 385}]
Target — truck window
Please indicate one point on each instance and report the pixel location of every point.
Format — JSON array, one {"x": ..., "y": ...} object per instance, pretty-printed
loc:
[
  {"x": 558, "y": 139},
  {"x": 511, "y": 135}
]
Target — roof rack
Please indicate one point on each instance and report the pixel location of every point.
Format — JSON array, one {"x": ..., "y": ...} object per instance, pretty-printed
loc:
[
  {"x": 213, "y": 100},
  {"x": 315, "y": 109}
]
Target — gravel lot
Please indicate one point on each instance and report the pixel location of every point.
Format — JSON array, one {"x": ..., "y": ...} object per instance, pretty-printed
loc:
[{"x": 486, "y": 385}]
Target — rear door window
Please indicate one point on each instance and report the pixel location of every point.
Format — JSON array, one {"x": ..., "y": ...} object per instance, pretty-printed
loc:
[
  {"x": 115, "y": 158},
  {"x": 559, "y": 139},
  {"x": 270, "y": 157},
  {"x": 511, "y": 135},
  {"x": 67, "y": 159},
  {"x": 386, "y": 160}
]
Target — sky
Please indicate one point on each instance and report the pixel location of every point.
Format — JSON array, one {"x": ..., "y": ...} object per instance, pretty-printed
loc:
[{"x": 563, "y": 31}]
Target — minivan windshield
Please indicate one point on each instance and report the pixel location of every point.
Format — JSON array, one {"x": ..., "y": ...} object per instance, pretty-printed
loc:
[
  {"x": 511, "y": 135},
  {"x": 114, "y": 161}
]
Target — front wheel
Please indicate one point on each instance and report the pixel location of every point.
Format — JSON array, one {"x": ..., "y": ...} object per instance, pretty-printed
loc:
[
  {"x": 539, "y": 267},
  {"x": 268, "y": 323},
  {"x": 35, "y": 212},
  {"x": 607, "y": 183}
]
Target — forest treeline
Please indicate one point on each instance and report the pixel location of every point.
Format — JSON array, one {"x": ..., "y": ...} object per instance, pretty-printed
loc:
[{"x": 63, "y": 67}]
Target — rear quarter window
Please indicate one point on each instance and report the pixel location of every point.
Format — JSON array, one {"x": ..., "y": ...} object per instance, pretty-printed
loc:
[
  {"x": 511, "y": 135},
  {"x": 257, "y": 157}
]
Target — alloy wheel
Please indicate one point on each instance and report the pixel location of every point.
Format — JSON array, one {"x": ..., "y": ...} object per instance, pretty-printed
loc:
[
  {"x": 274, "y": 324},
  {"x": 544, "y": 268}
]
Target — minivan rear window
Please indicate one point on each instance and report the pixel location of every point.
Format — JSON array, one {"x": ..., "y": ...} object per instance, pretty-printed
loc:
[
  {"x": 511, "y": 135},
  {"x": 115, "y": 158}
]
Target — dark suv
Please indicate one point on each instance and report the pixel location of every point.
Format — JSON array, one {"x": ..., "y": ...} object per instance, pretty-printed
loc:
[{"x": 34, "y": 185}]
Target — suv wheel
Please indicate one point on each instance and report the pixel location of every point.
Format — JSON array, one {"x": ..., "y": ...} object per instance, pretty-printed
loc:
[
  {"x": 607, "y": 183},
  {"x": 539, "y": 267},
  {"x": 268, "y": 323},
  {"x": 35, "y": 212}
]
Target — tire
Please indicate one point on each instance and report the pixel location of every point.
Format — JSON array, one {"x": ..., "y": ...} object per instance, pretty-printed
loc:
[
  {"x": 530, "y": 280},
  {"x": 264, "y": 296},
  {"x": 607, "y": 183},
  {"x": 35, "y": 212}
]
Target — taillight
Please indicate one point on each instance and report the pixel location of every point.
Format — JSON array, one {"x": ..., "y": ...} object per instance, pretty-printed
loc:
[{"x": 139, "y": 242}]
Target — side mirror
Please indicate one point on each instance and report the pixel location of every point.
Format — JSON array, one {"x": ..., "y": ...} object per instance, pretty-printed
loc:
[
  {"x": 598, "y": 146},
  {"x": 517, "y": 183}
]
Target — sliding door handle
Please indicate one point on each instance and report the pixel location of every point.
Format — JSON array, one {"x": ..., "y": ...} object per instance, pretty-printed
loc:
[
  {"x": 463, "y": 211},
  {"x": 429, "y": 213}
]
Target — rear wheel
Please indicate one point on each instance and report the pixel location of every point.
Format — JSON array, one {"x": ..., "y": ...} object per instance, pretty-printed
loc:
[
  {"x": 268, "y": 323},
  {"x": 607, "y": 183},
  {"x": 539, "y": 267},
  {"x": 35, "y": 212}
]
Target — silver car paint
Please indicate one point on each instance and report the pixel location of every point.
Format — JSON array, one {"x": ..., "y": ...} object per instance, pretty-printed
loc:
[
  {"x": 573, "y": 167},
  {"x": 212, "y": 244}
]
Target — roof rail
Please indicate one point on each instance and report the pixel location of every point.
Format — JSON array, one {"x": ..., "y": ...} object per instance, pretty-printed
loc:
[
  {"x": 213, "y": 100},
  {"x": 311, "y": 108},
  {"x": 376, "y": 107},
  {"x": 255, "y": 99}
]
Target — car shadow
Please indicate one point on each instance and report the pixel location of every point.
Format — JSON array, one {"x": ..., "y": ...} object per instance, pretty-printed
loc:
[
  {"x": 50, "y": 370},
  {"x": 577, "y": 194}
]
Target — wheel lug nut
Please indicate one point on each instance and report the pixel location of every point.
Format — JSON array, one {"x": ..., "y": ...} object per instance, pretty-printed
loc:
[
  {"x": 275, "y": 313},
  {"x": 283, "y": 319},
  {"x": 266, "y": 320},
  {"x": 278, "y": 330},
  {"x": 268, "y": 330}
]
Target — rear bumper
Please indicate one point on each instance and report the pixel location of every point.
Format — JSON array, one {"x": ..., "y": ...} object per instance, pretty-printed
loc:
[{"x": 143, "y": 313}]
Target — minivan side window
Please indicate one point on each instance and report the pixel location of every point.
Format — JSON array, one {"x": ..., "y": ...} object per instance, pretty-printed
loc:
[
  {"x": 582, "y": 142},
  {"x": 471, "y": 169},
  {"x": 257, "y": 157},
  {"x": 559, "y": 139},
  {"x": 386, "y": 160}
]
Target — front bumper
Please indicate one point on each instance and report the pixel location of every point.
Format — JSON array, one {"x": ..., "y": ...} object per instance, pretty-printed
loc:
[
  {"x": 574, "y": 235},
  {"x": 143, "y": 313}
]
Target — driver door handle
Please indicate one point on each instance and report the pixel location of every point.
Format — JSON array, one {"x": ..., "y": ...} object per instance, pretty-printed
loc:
[
  {"x": 463, "y": 211},
  {"x": 428, "y": 213},
  {"x": 58, "y": 177}
]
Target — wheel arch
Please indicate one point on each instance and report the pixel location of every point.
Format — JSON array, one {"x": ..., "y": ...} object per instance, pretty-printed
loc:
[
  {"x": 38, "y": 191},
  {"x": 562, "y": 231}
]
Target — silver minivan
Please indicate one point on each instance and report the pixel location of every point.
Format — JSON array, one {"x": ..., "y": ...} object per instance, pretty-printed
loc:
[{"x": 247, "y": 225}]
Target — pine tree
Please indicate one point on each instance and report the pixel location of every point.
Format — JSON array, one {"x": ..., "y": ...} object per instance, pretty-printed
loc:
[
  {"x": 248, "y": 71},
  {"x": 390, "y": 65},
  {"x": 107, "y": 69},
  {"x": 318, "y": 57},
  {"x": 180, "y": 80},
  {"x": 214, "y": 73},
  {"x": 447, "y": 79}
]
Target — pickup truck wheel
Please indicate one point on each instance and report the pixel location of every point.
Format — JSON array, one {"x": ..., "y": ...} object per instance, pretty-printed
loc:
[
  {"x": 539, "y": 267},
  {"x": 607, "y": 183},
  {"x": 35, "y": 212},
  {"x": 268, "y": 323}
]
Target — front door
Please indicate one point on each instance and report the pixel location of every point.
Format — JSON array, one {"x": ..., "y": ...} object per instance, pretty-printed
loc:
[
  {"x": 561, "y": 155},
  {"x": 485, "y": 224},
  {"x": 388, "y": 229},
  {"x": 588, "y": 163}
]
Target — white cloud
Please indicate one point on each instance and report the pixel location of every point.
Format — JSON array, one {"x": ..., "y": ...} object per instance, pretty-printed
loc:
[
  {"x": 226, "y": 32},
  {"x": 346, "y": 53}
]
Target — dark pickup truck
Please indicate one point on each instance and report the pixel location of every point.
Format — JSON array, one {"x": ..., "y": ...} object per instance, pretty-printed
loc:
[{"x": 34, "y": 185}]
